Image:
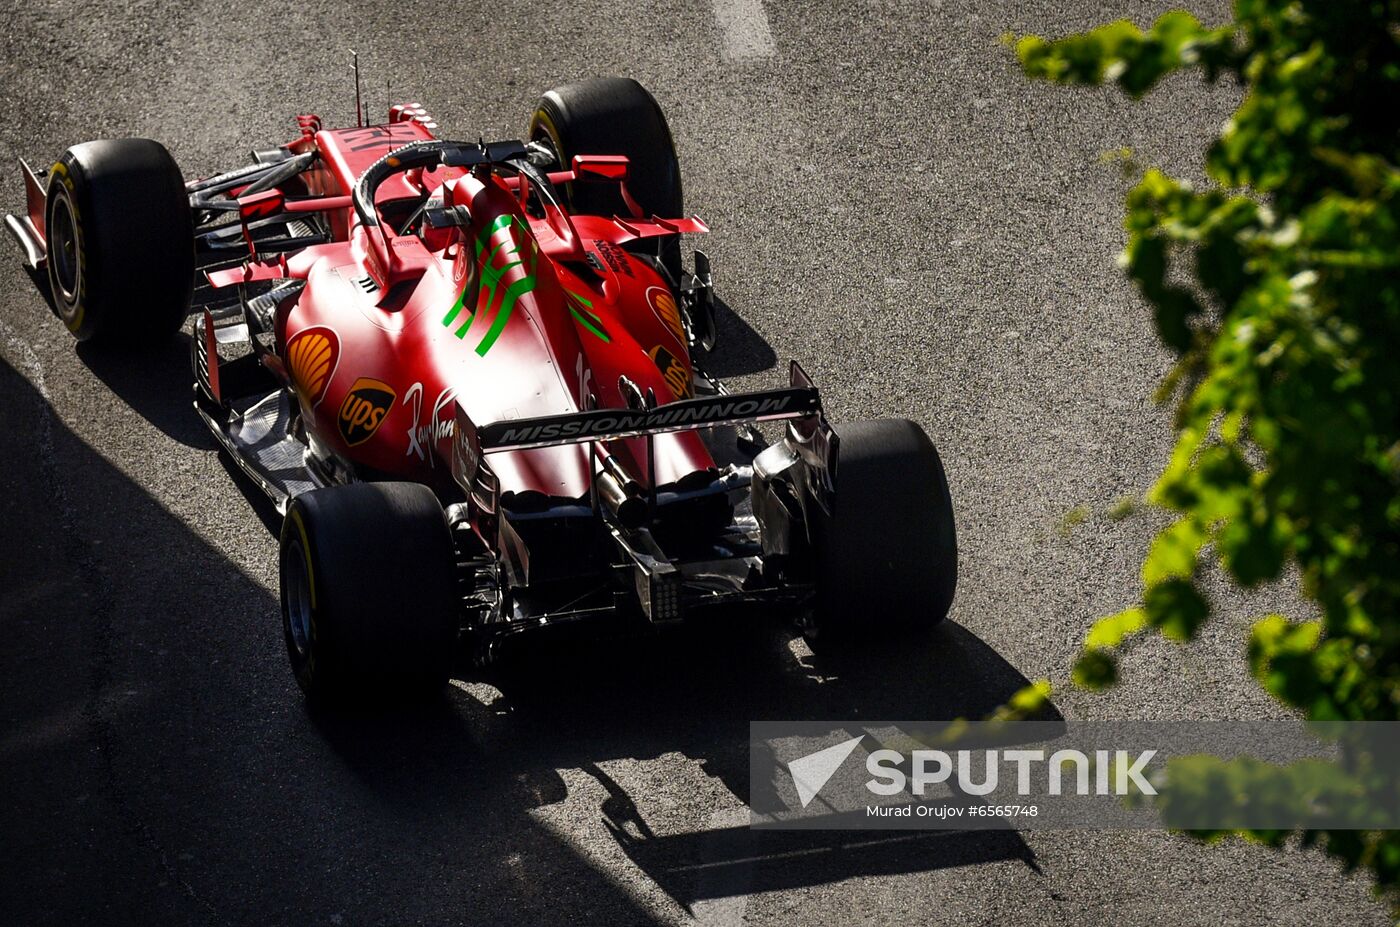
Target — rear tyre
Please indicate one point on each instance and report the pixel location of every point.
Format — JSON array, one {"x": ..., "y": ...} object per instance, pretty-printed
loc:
[
  {"x": 120, "y": 241},
  {"x": 887, "y": 557},
  {"x": 616, "y": 116},
  {"x": 369, "y": 604}
]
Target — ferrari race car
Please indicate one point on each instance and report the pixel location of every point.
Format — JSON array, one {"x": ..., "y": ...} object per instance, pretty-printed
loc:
[{"x": 470, "y": 377}]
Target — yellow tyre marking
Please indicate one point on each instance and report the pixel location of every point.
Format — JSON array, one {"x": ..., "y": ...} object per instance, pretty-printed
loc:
[
  {"x": 295, "y": 516},
  {"x": 60, "y": 170}
]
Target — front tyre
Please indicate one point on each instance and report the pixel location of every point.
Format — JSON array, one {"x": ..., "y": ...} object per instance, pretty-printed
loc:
[
  {"x": 369, "y": 604},
  {"x": 120, "y": 241},
  {"x": 887, "y": 556},
  {"x": 616, "y": 116}
]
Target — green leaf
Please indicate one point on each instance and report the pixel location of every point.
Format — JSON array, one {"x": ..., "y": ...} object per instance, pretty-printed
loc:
[
  {"x": 1095, "y": 670},
  {"x": 1176, "y": 608},
  {"x": 1026, "y": 703},
  {"x": 1109, "y": 632},
  {"x": 1173, "y": 552}
]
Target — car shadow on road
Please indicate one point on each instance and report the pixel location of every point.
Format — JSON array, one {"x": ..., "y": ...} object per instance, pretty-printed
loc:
[
  {"x": 158, "y": 746},
  {"x": 160, "y": 766},
  {"x": 156, "y": 382},
  {"x": 694, "y": 692},
  {"x": 739, "y": 349}
]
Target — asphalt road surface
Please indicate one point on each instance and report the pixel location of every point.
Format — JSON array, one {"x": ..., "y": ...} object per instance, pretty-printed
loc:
[{"x": 894, "y": 205}]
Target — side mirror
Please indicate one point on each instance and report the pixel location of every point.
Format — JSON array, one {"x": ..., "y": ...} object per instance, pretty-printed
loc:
[
  {"x": 260, "y": 205},
  {"x": 600, "y": 167}
]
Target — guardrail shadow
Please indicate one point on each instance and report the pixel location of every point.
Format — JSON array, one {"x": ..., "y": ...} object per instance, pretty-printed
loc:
[{"x": 731, "y": 861}]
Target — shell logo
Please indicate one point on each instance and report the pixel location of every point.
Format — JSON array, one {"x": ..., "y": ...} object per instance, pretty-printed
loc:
[
  {"x": 663, "y": 304},
  {"x": 312, "y": 355}
]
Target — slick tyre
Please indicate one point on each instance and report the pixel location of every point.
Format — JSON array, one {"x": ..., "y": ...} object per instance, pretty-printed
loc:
[
  {"x": 887, "y": 557},
  {"x": 616, "y": 116},
  {"x": 368, "y": 593},
  {"x": 120, "y": 241}
]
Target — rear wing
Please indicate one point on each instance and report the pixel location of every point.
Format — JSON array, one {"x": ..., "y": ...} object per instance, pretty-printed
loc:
[
  {"x": 611, "y": 424},
  {"x": 472, "y": 443}
]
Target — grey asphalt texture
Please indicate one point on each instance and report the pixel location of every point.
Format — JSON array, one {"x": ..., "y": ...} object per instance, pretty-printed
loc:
[{"x": 892, "y": 204}]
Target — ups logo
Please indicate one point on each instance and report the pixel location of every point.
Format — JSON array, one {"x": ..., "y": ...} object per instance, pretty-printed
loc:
[
  {"x": 363, "y": 410},
  {"x": 672, "y": 370}
]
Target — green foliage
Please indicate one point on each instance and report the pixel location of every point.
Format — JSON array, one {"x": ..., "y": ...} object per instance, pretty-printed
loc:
[
  {"x": 1278, "y": 288},
  {"x": 1095, "y": 669},
  {"x": 1075, "y": 516}
]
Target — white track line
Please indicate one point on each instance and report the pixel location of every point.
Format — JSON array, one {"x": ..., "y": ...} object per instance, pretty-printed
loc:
[{"x": 743, "y": 29}]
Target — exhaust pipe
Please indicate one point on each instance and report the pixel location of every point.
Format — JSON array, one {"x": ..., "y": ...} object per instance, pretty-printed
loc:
[{"x": 630, "y": 510}]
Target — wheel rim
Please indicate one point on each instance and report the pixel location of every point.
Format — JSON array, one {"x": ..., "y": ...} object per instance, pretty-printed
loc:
[
  {"x": 541, "y": 132},
  {"x": 298, "y": 600},
  {"x": 63, "y": 249}
]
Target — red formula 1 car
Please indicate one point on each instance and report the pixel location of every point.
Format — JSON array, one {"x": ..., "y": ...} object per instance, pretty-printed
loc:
[{"x": 469, "y": 375}]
